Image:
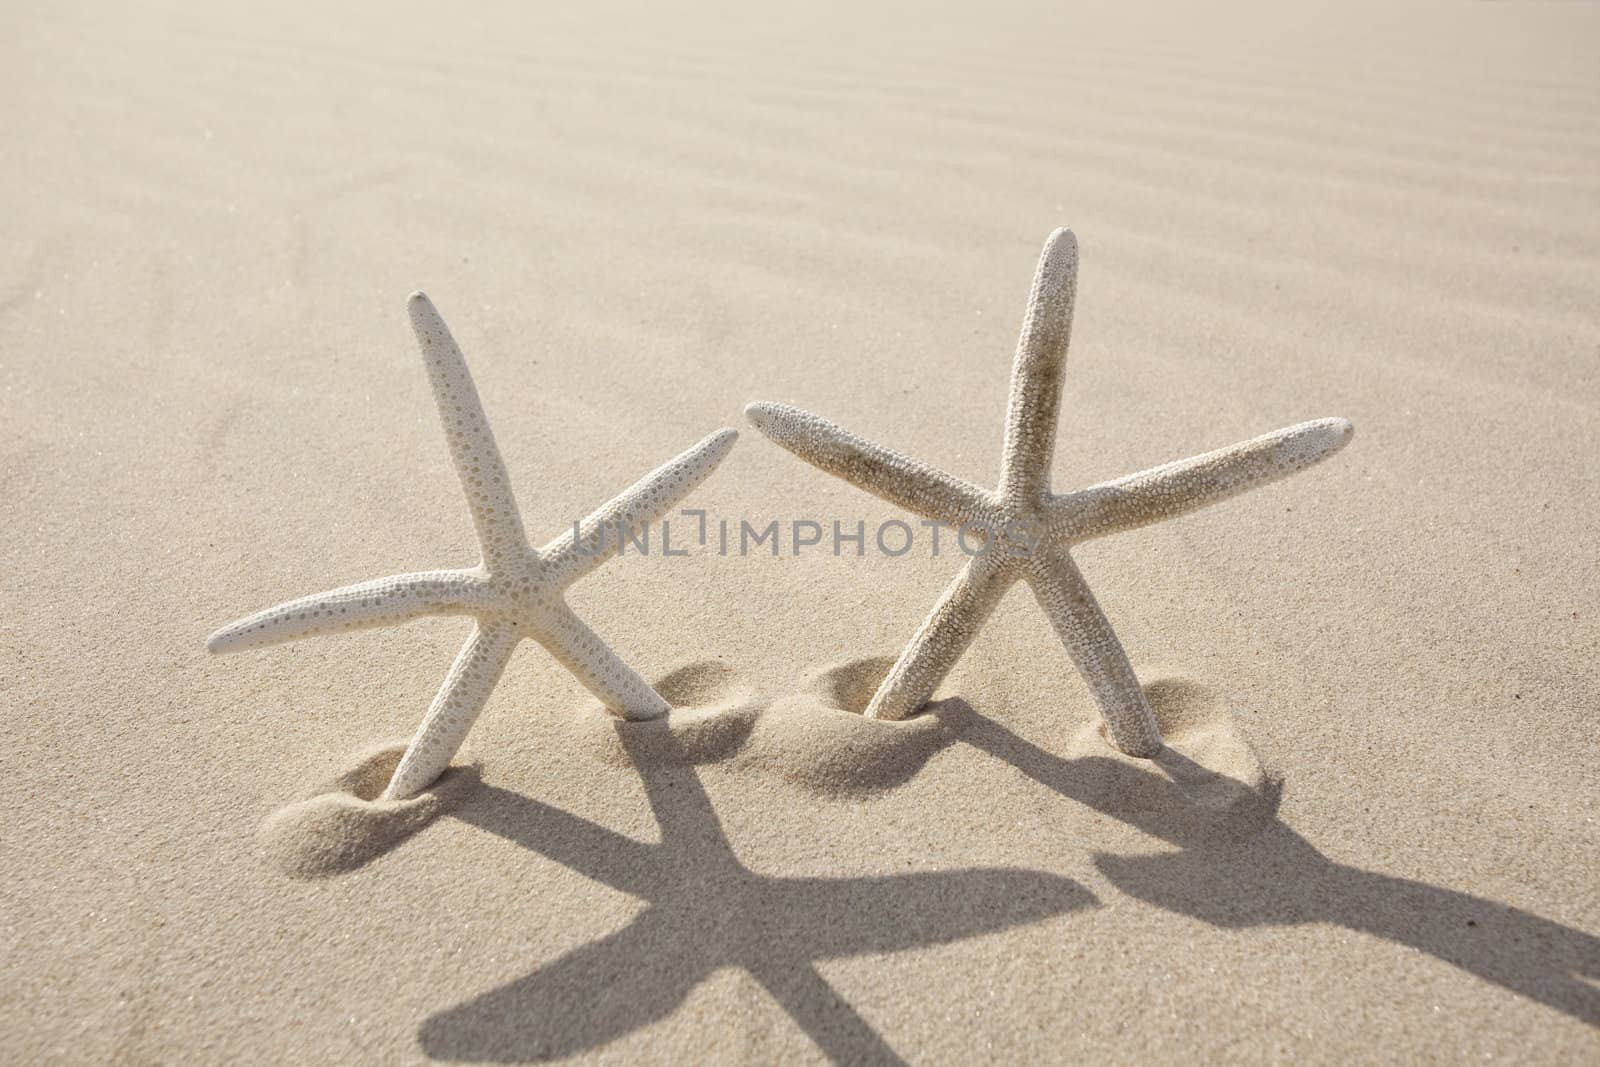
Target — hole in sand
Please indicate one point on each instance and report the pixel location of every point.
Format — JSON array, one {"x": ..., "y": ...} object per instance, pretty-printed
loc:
[
  {"x": 849, "y": 686},
  {"x": 819, "y": 738},
  {"x": 1206, "y": 780},
  {"x": 342, "y": 824},
  {"x": 711, "y": 718},
  {"x": 697, "y": 685}
]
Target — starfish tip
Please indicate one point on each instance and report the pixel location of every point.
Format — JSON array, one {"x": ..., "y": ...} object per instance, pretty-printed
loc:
[
  {"x": 1061, "y": 244},
  {"x": 421, "y": 309},
  {"x": 1337, "y": 432},
  {"x": 760, "y": 413}
]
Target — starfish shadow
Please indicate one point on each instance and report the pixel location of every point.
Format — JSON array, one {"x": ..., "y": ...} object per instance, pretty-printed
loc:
[
  {"x": 706, "y": 911},
  {"x": 1254, "y": 870}
]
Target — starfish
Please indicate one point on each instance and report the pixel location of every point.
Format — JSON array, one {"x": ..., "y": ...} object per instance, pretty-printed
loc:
[
  {"x": 515, "y": 591},
  {"x": 1028, "y": 529}
]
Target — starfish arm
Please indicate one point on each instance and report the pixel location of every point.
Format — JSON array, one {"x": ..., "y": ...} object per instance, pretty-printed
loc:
[
  {"x": 644, "y": 502},
  {"x": 1093, "y": 645},
  {"x": 602, "y": 672},
  {"x": 472, "y": 448},
  {"x": 1185, "y": 485},
  {"x": 940, "y": 641},
  {"x": 1036, "y": 373},
  {"x": 380, "y": 602},
  {"x": 455, "y": 707},
  {"x": 908, "y": 483}
]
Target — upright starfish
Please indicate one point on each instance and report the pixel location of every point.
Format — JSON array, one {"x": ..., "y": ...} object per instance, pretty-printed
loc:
[
  {"x": 1029, "y": 529},
  {"x": 514, "y": 592}
]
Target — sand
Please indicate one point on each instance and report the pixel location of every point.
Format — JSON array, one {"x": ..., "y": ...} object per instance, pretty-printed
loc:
[{"x": 1374, "y": 836}]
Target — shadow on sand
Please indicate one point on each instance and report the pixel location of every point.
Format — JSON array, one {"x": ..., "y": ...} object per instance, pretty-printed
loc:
[
  {"x": 1256, "y": 871},
  {"x": 1235, "y": 868},
  {"x": 707, "y": 911}
]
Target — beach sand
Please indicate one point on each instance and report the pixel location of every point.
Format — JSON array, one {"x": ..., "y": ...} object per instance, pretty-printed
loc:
[{"x": 1374, "y": 836}]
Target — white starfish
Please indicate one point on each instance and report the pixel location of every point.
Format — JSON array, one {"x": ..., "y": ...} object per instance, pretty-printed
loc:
[
  {"x": 514, "y": 592},
  {"x": 1029, "y": 529}
]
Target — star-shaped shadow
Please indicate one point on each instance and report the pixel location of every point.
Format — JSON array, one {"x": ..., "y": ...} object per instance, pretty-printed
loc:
[
  {"x": 1255, "y": 870},
  {"x": 706, "y": 911}
]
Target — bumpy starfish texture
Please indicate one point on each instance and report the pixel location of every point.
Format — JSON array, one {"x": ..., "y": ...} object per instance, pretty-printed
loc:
[
  {"x": 1028, "y": 529},
  {"x": 515, "y": 591}
]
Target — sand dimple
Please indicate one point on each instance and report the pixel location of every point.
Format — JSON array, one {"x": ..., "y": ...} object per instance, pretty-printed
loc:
[
  {"x": 343, "y": 824},
  {"x": 837, "y": 752},
  {"x": 711, "y": 719},
  {"x": 817, "y": 739},
  {"x": 1206, "y": 782}
]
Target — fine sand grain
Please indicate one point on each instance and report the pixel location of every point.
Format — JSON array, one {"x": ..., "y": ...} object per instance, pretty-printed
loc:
[{"x": 1374, "y": 832}]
